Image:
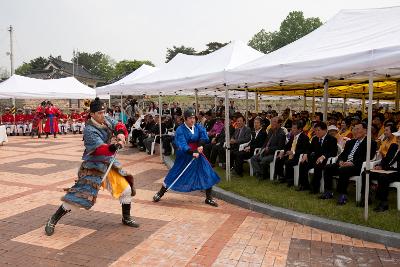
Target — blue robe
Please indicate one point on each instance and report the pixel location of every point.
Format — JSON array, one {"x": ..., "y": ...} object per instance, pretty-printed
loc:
[
  {"x": 200, "y": 175},
  {"x": 84, "y": 193}
]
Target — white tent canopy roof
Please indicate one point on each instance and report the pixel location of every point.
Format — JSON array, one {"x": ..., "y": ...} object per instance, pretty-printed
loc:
[
  {"x": 351, "y": 45},
  {"x": 115, "y": 88},
  {"x": 21, "y": 87},
  {"x": 185, "y": 72}
]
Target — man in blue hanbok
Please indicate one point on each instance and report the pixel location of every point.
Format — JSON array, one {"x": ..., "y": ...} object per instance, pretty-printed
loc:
[
  {"x": 189, "y": 139},
  {"x": 97, "y": 157}
]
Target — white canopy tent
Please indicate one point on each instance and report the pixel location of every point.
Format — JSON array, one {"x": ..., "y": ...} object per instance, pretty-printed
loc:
[
  {"x": 350, "y": 46},
  {"x": 20, "y": 87},
  {"x": 115, "y": 88},
  {"x": 185, "y": 72}
]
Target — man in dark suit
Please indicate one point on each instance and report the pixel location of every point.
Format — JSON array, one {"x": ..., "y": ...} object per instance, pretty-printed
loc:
[
  {"x": 348, "y": 164},
  {"x": 391, "y": 163},
  {"x": 175, "y": 110},
  {"x": 275, "y": 140},
  {"x": 299, "y": 144},
  {"x": 216, "y": 147},
  {"x": 258, "y": 138},
  {"x": 323, "y": 146}
]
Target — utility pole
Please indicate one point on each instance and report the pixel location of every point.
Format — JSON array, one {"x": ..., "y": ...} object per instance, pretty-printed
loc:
[
  {"x": 11, "y": 50},
  {"x": 73, "y": 63}
]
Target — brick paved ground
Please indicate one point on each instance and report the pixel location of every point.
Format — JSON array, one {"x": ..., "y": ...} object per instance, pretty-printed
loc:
[{"x": 179, "y": 231}]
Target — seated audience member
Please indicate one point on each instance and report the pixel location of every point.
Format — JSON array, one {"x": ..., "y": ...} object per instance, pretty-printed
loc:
[
  {"x": 298, "y": 144},
  {"x": 346, "y": 129},
  {"x": 390, "y": 163},
  {"x": 323, "y": 146},
  {"x": 275, "y": 140},
  {"x": 334, "y": 131},
  {"x": 388, "y": 139},
  {"x": 241, "y": 135},
  {"x": 348, "y": 164},
  {"x": 257, "y": 140}
]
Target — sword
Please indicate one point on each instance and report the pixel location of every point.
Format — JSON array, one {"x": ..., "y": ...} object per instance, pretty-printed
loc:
[
  {"x": 111, "y": 164},
  {"x": 179, "y": 176}
]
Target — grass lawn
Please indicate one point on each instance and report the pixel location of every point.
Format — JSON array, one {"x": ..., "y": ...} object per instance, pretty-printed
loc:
[{"x": 281, "y": 196}]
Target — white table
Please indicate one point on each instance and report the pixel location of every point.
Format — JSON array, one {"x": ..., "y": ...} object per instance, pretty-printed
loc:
[{"x": 3, "y": 134}]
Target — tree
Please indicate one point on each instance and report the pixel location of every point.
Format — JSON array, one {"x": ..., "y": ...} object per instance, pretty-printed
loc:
[
  {"x": 172, "y": 52},
  {"x": 97, "y": 63},
  {"x": 292, "y": 28},
  {"x": 212, "y": 47},
  {"x": 262, "y": 41},
  {"x": 24, "y": 69},
  {"x": 39, "y": 63},
  {"x": 127, "y": 66}
]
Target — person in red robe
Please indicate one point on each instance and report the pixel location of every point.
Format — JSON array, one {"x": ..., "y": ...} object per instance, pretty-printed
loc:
[
  {"x": 75, "y": 124},
  {"x": 63, "y": 123},
  {"x": 37, "y": 124},
  {"x": 20, "y": 122},
  {"x": 52, "y": 114},
  {"x": 29, "y": 116},
  {"x": 84, "y": 116},
  {"x": 9, "y": 121}
]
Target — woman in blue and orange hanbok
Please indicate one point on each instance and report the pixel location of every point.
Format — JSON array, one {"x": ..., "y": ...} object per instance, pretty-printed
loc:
[{"x": 189, "y": 139}]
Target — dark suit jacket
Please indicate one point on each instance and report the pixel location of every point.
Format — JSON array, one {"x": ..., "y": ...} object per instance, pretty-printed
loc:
[
  {"x": 302, "y": 146},
  {"x": 391, "y": 157},
  {"x": 328, "y": 149},
  {"x": 258, "y": 141},
  {"x": 275, "y": 141},
  {"x": 242, "y": 135},
  {"x": 361, "y": 153}
]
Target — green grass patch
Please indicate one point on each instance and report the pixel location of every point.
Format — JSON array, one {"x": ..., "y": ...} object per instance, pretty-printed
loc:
[{"x": 280, "y": 195}]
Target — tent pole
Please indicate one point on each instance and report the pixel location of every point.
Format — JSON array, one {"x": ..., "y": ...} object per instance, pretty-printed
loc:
[
  {"x": 109, "y": 101},
  {"x": 344, "y": 105},
  {"x": 256, "y": 101},
  {"x": 196, "y": 100},
  {"x": 369, "y": 137},
  {"x": 227, "y": 137},
  {"x": 313, "y": 101},
  {"x": 326, "y": 95},
  {"x": 159, "y": 114},
  {"x": 397, "y": 104},
  {"x": 247, "y": 107},
  {"x": 363, "y": 104},
  {"x": 122, "y": 111},
  {"x": 305, "y": 101}
]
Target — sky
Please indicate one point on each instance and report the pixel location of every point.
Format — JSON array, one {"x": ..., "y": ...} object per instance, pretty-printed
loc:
[{"x": 143, "y": 30}]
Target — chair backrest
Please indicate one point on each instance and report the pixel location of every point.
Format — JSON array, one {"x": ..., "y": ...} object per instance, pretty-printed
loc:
[
  {"x": 258, "y": 149},
  {"x": 339, "y": 149}
]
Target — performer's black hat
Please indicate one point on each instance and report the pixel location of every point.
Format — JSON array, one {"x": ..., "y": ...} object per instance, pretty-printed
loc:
[
  {"x": 189, "y": 113},
  {"x": 43, "y": 103},
  {"x": 96, "y": 105}
]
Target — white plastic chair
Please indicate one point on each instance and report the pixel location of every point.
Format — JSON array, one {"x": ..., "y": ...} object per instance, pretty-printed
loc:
[
  {"x": 397, "y": 186},
  {"x": 358, "y": 178},
  {"x": 249, "y": 161},
  {"x": 272, "y": 165},
  {"x": 296, "y": 171}
]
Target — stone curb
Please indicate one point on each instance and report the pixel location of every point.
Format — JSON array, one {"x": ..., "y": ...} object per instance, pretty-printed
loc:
[{"x": 387, "y": 238}]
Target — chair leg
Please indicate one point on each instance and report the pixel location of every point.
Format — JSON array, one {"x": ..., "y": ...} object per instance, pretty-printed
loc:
[
  {"x": 271, "y": 170},
  {"x": 251, "y": 168},
  {"x": 358, "y": 189},
  {"x": 152, "y": 148},
  {"x": 296, "y": 175},
  {"x": 398, "y": 198}
]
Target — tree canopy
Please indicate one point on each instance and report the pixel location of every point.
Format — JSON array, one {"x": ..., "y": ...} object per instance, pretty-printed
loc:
[{"x": 292, "y": 28}]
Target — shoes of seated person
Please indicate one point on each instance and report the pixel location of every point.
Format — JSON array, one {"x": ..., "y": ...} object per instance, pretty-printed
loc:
[
  {"x": 326, "y": 195},
  {"x": 381, "y": 207},
  {"x": 342, "y": 200},
  {"x": 167, "y": 153},
  {"x": 361, "y": 203},
  {"x": 302, "y": 188},
  {"x": 290, "y": 184},
  {"x": 142, "y": 149}
]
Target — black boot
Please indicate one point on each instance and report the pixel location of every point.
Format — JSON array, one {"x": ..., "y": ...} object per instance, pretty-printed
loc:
[
  {"x": 159, "y": 194},
  {"x": 51, "y": 224},
  {"x": 126, "y": 216},
  {"x": 209, "y": 200},
  {"x": 55, "y": 135},
  {"x": 47, "y": 135}
]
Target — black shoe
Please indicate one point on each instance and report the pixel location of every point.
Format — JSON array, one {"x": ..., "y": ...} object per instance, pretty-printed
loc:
[
  {"x": 159, "y": 194},
  {"x": 51, "y": 223},
  {"x": 382, "y": 207},
  {"x": 342, "y": 200},
  {"x": 211, "y": 202},
  {"x": 126, "y": 216},
  {"x": 326, "y": 195},
  {"x": 361, "y": 203},
  {"x": 302, "y": 188}
]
